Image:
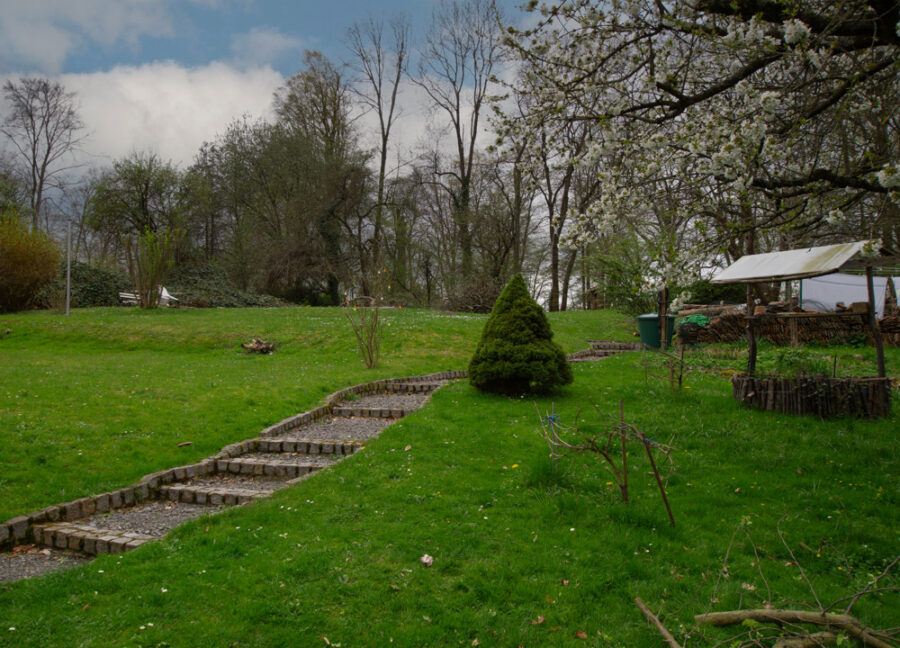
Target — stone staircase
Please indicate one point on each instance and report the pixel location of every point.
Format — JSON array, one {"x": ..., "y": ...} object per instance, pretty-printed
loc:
[
  {"x": 603, "y": 349},
  {"x": 280, "y": 456}
]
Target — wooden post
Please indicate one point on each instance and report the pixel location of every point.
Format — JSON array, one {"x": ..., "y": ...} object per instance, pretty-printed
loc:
[
  {"x": 663, "y": 311},
  {"x": 68, "y": 266},
  {"x": 873, "y": 325},
  {"x": 751, "y": 337}
]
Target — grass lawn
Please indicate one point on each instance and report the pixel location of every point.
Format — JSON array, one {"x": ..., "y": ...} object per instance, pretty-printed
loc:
[{"x": 522, "y": 555}]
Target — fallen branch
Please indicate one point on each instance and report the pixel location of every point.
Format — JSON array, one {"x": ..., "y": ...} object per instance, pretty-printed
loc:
[
  {"x": 652, "y": 618},
  {"x": 840, "y": 621}
]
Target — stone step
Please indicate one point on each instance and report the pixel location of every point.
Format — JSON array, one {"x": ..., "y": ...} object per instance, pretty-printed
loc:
[
  {"x": 212, "y": 495},
  {"x": 250, "y": 465},
  {"x": 413, "y": 387},
  {"x": 308, "y": 446},
  {"x": 88, "y": 539},
  {"x": 617, "y": 347},
  {"x": 371, "y": 412}
]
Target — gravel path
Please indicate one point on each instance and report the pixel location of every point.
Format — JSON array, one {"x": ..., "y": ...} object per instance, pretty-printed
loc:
[
  {"x": 156, "y": 518},
  {"x": 388, "y": 401},
  {"x": 28, "y": 561},
  {"x": 296, "y": 458},
  {"x": 153, "y": 518},
  {"x": 339, "y": 429},
  {"x": 245, "y": 482}
]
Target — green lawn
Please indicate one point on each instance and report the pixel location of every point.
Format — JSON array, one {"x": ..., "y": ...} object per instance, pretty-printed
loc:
[{"x": 513, "y": 542}]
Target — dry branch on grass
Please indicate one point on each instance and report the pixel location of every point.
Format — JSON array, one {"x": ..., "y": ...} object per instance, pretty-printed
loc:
[
  {"x": 845, "y": 622},
  {"x": 786, "y": 628}
]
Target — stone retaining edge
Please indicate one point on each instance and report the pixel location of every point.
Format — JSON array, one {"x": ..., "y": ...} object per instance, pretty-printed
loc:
[{"x": 25, "y": 528}]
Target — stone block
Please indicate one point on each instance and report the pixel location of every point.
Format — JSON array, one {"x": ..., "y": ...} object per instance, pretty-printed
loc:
[
  {"x": 18, "y": 527},
  {"x": 88, "y": 506},
  {"x": 200, "y": 497},
  {"x": 101, "y": 502},
  {"x": 190, "y": 471},
  {"x": 313, "y": 448},
  {"x": 270, "y": 469},
  {"x": 180, "y": 473},
  {"x": 301, "y": 446},
  {"x": 127, "y": 496},
  {"x": 173, "y": 493},
  {"x": 215, "y": 498},
  {"x": 5, "y": 533},
  {"x": 61, "y": 539},
  {"x": 46, "y": 538},
  {"x": 327, "y": 448},
  {"x": 89, "y": 546},
  {"x": 115, "y": 500},
  {"x": 229, "y": 498},
  {"x": 70, "y": 511},
  {"x": 101, "y": 546},
  {"x": 187, "y": 496},
  {"x": 222, "y": 465},
  {"x": 247, "y": 468},
  {"x": 117, "y": 545},
  {"x": 135, "y": 543},
  {"x": 141, "y": 492},
  {"x": 75, "y": 542}
]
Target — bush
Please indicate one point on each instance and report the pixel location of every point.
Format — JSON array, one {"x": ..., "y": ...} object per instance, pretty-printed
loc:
[
  {"x": 704, "y": 292},
  {"x": 27, "y": 263},
  {"x": 205, "y": 286},
  {"x": 91, "y": 286},
  {"x": 516, "y": 353}
]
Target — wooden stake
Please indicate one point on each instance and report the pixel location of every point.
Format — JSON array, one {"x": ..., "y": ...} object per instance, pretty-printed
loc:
[
  {"x": 751, "y": 337},
  {"x": 873, "y": 325}
]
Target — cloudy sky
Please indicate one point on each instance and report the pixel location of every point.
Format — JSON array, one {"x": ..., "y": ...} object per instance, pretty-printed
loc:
[{"x": 165, "y": 75}]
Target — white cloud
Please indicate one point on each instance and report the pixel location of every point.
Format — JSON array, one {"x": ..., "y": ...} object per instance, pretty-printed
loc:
[
  {"x": 166, "y": 108},
  {"x": 39, "y": 36},
  {"x": 262, "y": 46}
]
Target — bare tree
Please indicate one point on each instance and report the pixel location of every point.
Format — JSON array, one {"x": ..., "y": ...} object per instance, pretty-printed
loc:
[
  {"x": 382, "y": 67},
  {"x": 460, "y": 52},
  {"x": 42, "y": 126}
]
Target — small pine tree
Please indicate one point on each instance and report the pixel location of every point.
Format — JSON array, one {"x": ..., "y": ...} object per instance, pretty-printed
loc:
[{"x": 516, "y": 353}]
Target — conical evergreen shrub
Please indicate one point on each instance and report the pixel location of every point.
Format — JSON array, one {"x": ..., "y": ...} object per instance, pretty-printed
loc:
[{"x": 516, "y": 353}]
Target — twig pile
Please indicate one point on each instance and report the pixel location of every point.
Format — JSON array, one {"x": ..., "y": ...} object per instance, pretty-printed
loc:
[{"x": 257, "y": 345}]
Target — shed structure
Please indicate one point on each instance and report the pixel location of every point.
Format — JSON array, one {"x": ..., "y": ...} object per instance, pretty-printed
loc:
[{"x": 801, "y": 264}]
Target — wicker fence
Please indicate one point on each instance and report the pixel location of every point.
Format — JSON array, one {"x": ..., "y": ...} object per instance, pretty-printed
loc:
[{"x": 821, "y": 396}]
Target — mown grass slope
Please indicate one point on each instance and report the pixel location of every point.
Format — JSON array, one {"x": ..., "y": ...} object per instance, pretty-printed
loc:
[{"x": 523, "y": 555}]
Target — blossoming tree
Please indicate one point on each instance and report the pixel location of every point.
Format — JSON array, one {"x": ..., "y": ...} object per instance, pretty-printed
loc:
[{"x": 728, "y": 126}]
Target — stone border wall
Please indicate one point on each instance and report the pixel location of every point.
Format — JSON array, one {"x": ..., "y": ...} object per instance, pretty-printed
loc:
[{"x": 21, "y": 528}]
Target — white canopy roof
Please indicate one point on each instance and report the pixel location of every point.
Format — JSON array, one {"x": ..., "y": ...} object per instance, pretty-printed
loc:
[{"x": 789, "y": 264}]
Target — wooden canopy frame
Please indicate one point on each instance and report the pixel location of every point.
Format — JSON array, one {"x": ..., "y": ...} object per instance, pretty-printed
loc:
[{"x": 801, "y": 264}]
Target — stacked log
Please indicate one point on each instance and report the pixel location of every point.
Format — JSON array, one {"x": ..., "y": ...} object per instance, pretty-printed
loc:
[
  {"x": 821, "y": 328},
  {"x": 820, "y": 396}
]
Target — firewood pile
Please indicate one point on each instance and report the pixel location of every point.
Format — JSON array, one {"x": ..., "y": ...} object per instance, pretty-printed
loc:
[{"x": 822, "y": 328}]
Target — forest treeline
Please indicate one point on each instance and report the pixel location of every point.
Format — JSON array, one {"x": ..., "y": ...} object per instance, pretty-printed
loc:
[{"x": 637, "y": 146}]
